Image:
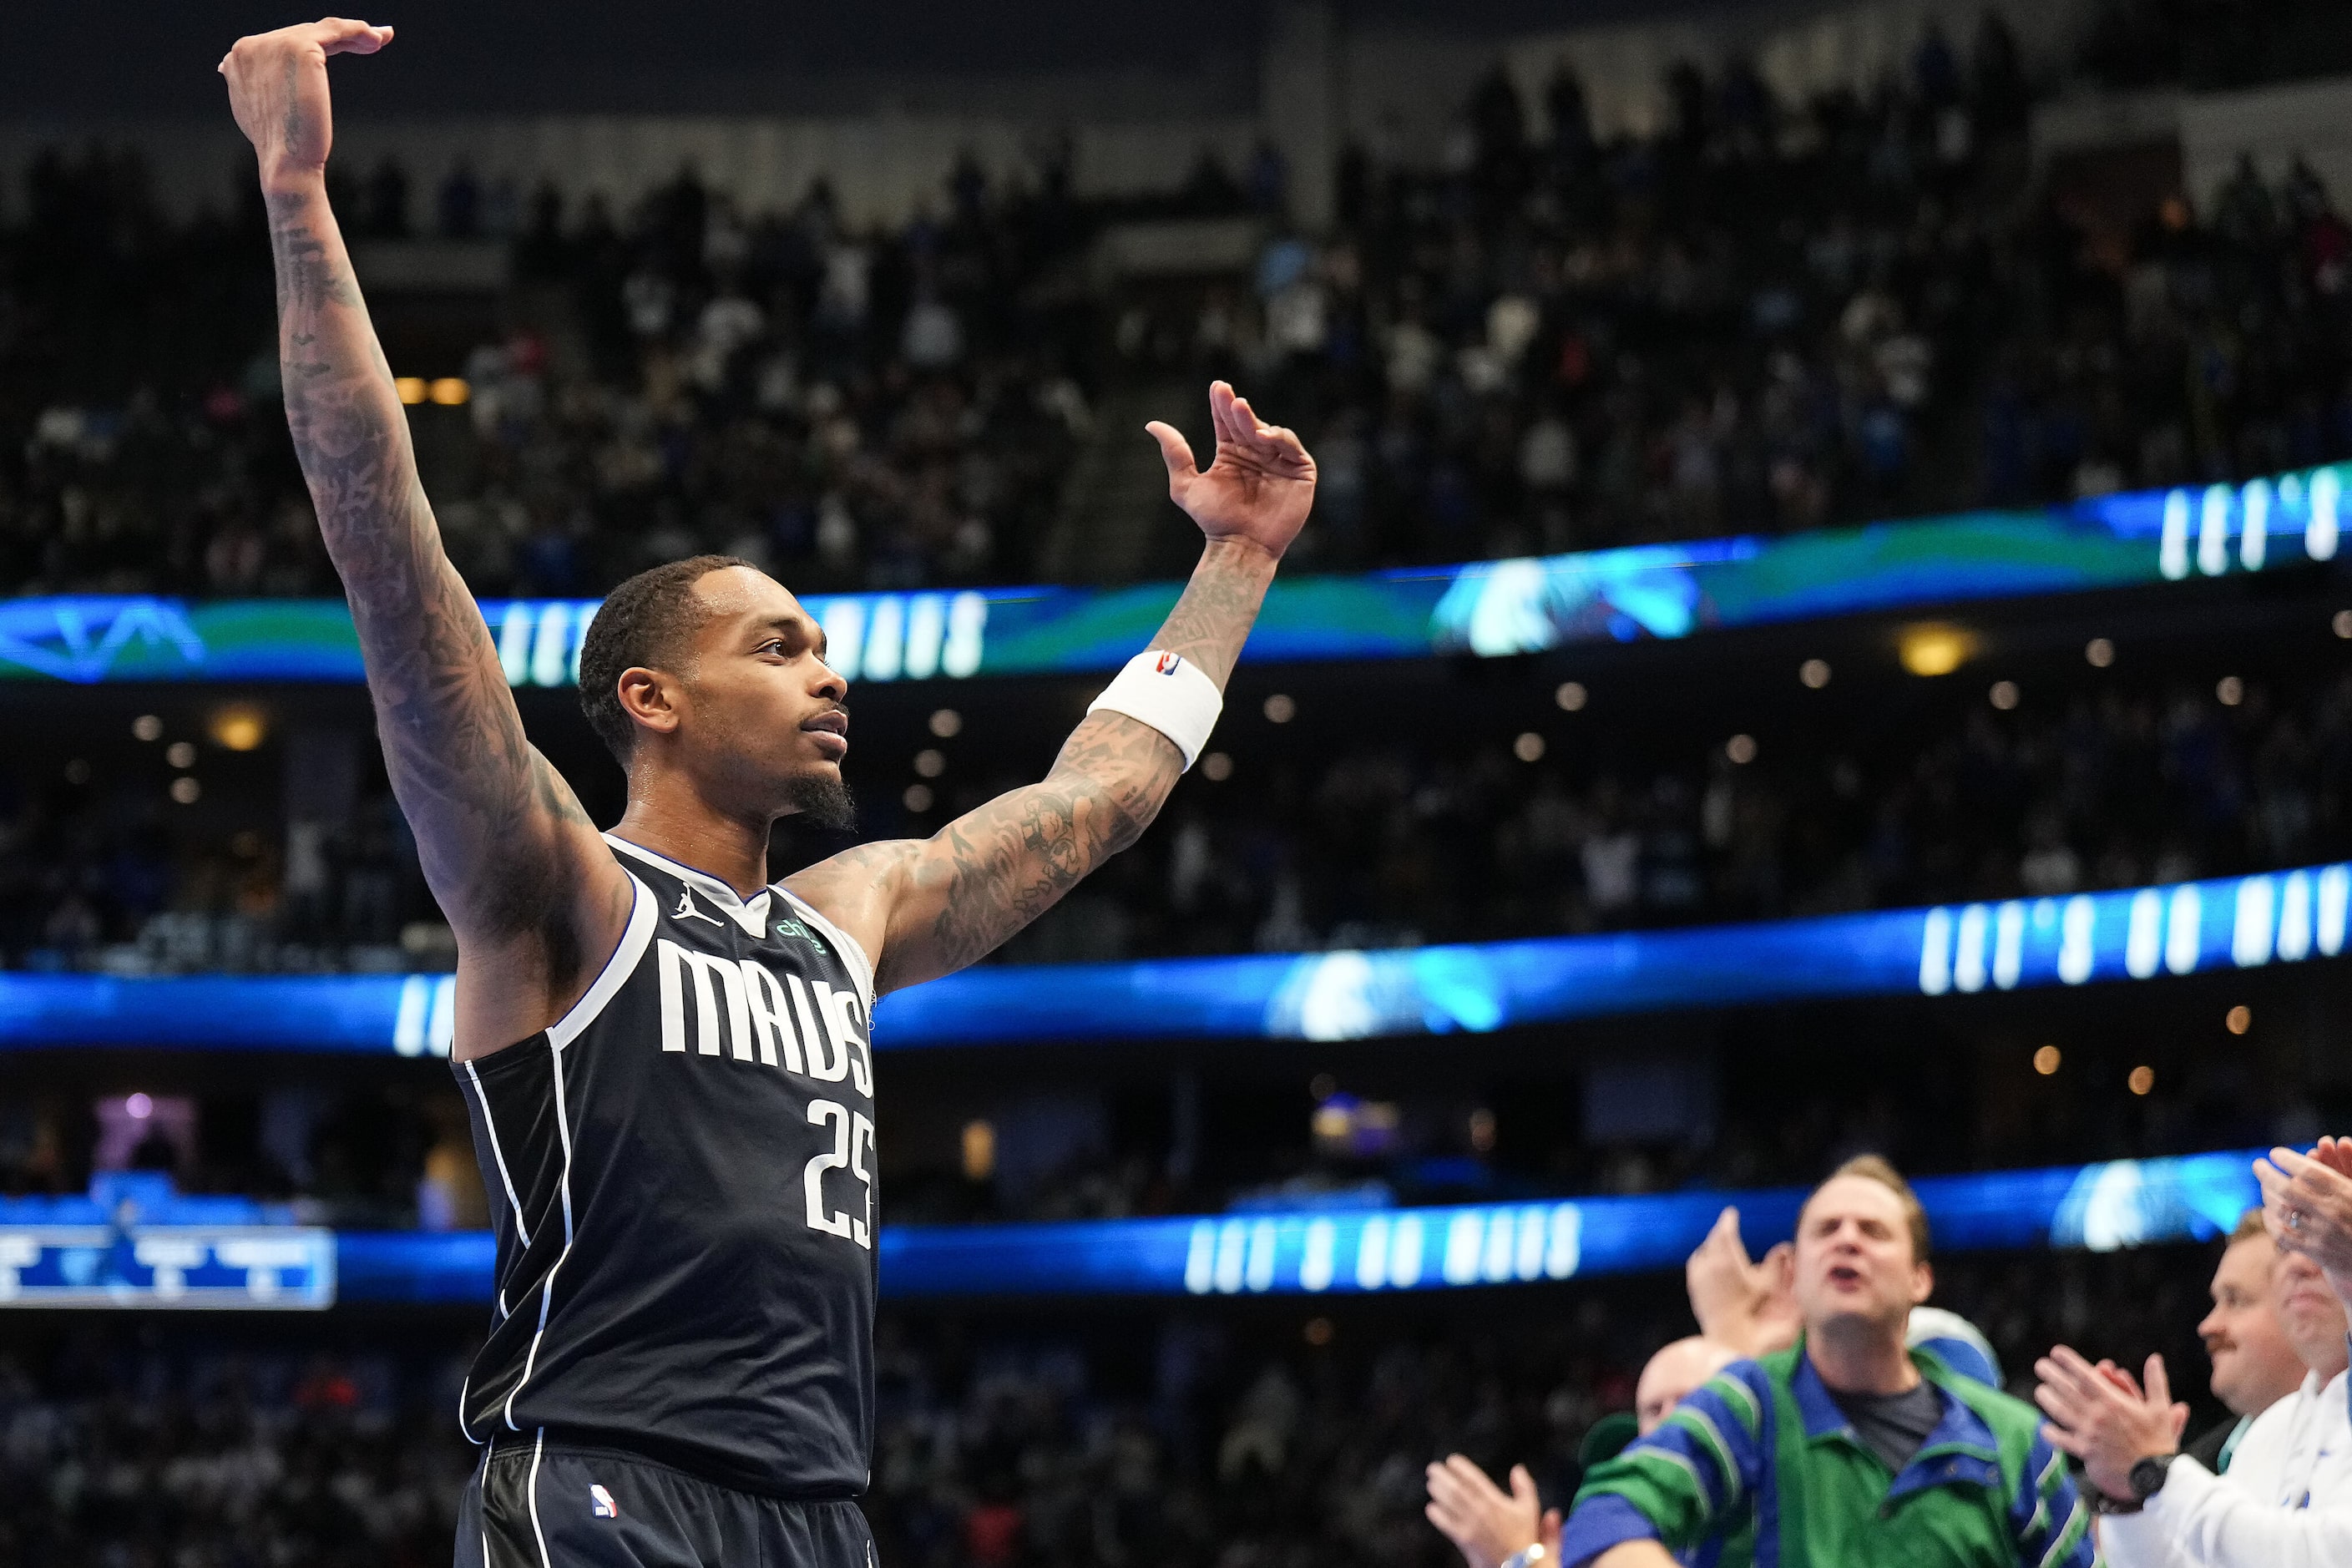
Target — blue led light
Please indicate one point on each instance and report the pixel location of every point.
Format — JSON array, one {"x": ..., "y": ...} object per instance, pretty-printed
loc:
[
  {"x": 58, "y": 1252},
  {"x": 2226, "y": 923},
  {"x": 188, "y": 1267},
  {"x": 2104, "y": 1207},
  {"x": 1491, "y": 608}
]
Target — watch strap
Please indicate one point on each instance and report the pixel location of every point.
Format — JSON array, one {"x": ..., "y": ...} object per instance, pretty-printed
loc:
[{"x": 2147, "y": 1476}]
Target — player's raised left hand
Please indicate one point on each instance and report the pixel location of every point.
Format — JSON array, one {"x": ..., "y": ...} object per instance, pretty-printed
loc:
[
  {"x": 277, "y": 91},
  {"x": 1258, "y": 489}
]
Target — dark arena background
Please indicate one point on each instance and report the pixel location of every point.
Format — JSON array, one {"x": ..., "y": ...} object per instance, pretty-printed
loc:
[{"x": 1824, "y": 630}]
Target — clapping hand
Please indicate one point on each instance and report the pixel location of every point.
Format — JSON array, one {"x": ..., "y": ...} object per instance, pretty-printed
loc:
[
  {"x": 2307, "y": 1206},
  {"x": 1487, "y": 1523},
  {"x": 2101, "y": 1417}
]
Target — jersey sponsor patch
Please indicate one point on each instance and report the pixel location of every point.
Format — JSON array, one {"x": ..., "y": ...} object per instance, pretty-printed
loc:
[
  {"x": 792, "y": 928},
  {"x": 600, "y": 1503}
]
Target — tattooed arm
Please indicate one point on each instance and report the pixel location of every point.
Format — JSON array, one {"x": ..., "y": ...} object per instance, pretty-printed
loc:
[
  {"x": 930, "y": 906},
  {"x": 527, "y": 884}
]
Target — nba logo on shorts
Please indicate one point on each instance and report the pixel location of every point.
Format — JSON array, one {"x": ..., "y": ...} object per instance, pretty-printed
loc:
[
  {"x": 600, "y": 1503},
  {"x": 1166, "y": 663}
]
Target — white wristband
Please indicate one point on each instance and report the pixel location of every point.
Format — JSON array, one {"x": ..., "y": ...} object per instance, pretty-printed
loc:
[{"x": 1168, "y": 692}]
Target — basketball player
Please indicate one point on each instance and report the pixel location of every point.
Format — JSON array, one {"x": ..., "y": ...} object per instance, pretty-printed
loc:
[{"x": 664, "y": 1055}]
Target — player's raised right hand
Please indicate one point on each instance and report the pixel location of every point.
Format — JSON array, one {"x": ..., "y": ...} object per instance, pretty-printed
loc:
[{"x": 278, "y": 90}]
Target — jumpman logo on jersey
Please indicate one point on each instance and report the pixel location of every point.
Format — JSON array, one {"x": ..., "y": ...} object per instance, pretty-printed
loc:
[{"x": 686, "y": 911}]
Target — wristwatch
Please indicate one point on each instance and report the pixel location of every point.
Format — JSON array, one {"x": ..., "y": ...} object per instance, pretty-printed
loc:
[
  {"x": 1526, "y": 1557},
  {"x": 2146, "y": 1477}
]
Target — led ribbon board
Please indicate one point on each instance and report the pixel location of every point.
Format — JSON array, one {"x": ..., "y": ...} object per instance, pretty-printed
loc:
[
  {"x": 2103, "y": 1207},
  {"x": 2233, "y": 922},
  {"x": 291, "y": 1266},
  {"x": 132, "y": 1242},
  {"x": 1489, "y": 608}
]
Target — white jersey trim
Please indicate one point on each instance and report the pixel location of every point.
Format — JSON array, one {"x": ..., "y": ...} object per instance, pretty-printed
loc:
[
  {"x": 547, "y": 1286},
  {"x": 752, "y": 916},
  {"x": 498, "y": 1156},
  {"x": 852, "y": 953},
  {"x": 538, "y": 1447},
  {"x": 615, "y": 974}
]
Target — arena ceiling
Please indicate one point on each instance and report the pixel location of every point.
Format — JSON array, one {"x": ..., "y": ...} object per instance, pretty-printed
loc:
[{"x": 69, "y": 60}]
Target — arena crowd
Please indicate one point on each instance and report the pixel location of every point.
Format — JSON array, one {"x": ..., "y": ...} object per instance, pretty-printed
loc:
[
  {"x": 2107, "y": 781},
  {"x": 1215, "y": 1443},
  {"x": 1770, "y": 316}
]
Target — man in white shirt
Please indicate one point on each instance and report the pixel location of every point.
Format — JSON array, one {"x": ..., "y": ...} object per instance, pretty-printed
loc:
[
  {"x": 2287, "y": 1502},
  {"x": 2254, "y": 1364}
]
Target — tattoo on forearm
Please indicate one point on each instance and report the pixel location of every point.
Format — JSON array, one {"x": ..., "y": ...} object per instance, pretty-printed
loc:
[
  {"x": 990, "y": 873},
  {"x": 465, "y": 772},
  {"x": 1218, "y": 605}
]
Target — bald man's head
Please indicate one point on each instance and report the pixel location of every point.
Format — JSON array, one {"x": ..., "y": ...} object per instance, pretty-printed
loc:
[{"x": 1674, "y": 1373}]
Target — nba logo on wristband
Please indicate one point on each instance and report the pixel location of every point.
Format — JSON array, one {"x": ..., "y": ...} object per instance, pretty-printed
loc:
[{"x": 1158, "y": 688}]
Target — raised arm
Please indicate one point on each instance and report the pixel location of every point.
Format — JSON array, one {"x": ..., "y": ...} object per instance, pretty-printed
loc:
[
  {"x": 513, "y": 860},
  {"x": 930, "y": 906}
]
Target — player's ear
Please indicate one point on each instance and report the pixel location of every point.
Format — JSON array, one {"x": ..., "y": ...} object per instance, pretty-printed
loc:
[
  {"x": 649, "y": 697},
  {"x": 1923, "y": 1282}
]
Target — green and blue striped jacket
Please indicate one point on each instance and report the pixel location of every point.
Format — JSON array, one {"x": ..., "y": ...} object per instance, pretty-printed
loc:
[{"x": 1759, "y": 1468}]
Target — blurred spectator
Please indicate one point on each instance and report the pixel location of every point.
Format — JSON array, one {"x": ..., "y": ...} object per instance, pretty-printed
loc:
[
  {"x": 1745, "y": 1310},
  {"x": 1491, "y": 1527},
  {"x": 2287, "y": 1501},
  {"x": 1673, "y": 1374},
  {"x": 1860, "y": 1267},
  {"x": 2254, "y": 1367}
]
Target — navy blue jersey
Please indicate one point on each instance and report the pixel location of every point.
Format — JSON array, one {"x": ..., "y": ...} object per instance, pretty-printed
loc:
[{"x": 682, "y": 1170}]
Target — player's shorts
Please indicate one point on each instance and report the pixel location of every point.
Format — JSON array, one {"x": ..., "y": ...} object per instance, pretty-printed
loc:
[{"x": 556, "y": 1506}]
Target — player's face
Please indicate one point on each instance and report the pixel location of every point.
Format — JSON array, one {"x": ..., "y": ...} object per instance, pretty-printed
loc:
[
  {"x": 763, "y": 707},
  {"x": 1853, "y": 1256}
]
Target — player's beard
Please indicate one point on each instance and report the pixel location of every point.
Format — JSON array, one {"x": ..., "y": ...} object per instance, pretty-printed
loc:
[{"x": 824, "y": 800}]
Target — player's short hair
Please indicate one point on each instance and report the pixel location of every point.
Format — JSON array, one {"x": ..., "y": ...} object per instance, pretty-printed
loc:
[
  {"x": 641, "y": 622},
  {"x": 1877, "y": 1168},
  {"x": 2249, "y": 1226}
]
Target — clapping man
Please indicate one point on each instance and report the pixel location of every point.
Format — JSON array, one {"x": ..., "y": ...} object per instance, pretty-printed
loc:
[
  {"x": 2254, "y": 1364},
  {"x": 2288, "y": 1500}
]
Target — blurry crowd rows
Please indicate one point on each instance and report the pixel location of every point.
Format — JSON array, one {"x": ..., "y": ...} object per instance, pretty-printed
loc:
[
  {"x": 1766, "y": 320},
  {"x": 1388, "y": 843},
  {"x": 1196, "y": 1441},
  {"x": 1768, "y": 316},
  {"x": 1391, "y": 840}
]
